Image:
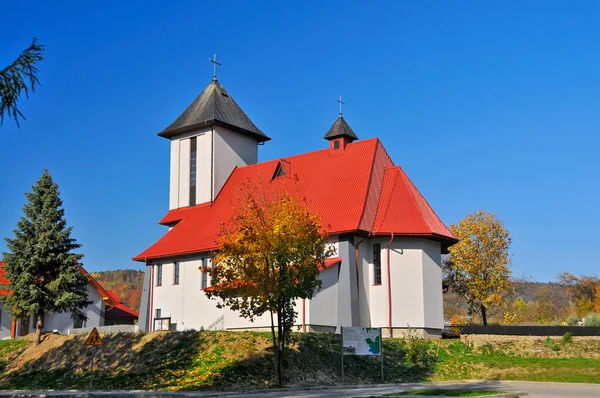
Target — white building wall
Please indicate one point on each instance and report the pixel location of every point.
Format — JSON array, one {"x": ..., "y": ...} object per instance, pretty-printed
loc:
[
  {"x": 432, "y": 285},
  {"x": 231, "y": 150},
  {"x": 185, "y": 303},
  {"x": 174, "y": 176},
  {"x": 63, "y": 321},
  {"x": 204, "y": 167},
  {"x": 184, "y": 172},
  {"x": 416, "y": 285},
  {"x": 321, "y": 310},
  {"x": 5, "y": 323}
]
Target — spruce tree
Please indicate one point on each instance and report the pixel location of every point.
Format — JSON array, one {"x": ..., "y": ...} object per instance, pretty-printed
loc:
[{"x": 43, "y": 270}]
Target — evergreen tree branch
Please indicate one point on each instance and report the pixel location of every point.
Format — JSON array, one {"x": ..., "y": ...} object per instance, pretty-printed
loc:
[{"x": 18, "y": 77}]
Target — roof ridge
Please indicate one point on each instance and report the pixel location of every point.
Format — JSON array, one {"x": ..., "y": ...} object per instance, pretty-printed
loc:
[
  {"x": 364, "y": 204},
  {"x": 387, "y": 204}
]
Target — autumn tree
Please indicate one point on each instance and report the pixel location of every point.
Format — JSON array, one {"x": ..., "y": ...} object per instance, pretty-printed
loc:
[
  {"x": 17, "y": 78},
  {"x": 477, "y": 267},
  {"x": 582, "y": 290},
  {"x": 270, "y": 254},
  {"x": 41, "y": 266}
]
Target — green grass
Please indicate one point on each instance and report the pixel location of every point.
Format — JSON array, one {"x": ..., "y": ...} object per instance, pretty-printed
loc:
[
  {"x": 447, "y": 393},
  {"x": 457, "y": 361},
  {"x": 202, "y": 360}
]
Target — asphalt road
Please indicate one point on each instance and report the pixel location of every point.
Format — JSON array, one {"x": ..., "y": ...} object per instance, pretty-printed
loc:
[{"x": 533, "y": 389}]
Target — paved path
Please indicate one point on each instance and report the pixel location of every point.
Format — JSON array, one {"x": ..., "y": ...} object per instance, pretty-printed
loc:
[{"x": 533, "y": 389}]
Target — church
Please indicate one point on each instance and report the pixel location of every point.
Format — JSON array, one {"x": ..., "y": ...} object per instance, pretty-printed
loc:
[{"x": 387, "y": 268}]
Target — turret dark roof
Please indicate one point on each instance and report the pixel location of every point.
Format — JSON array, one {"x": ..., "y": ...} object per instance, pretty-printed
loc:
[
  {"x": 214, "y": 106},
  {"x": 340, "y": 129}
]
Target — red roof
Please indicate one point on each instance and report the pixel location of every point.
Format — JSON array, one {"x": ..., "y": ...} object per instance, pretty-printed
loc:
[
  {"x": 119, "y": 310},
  {"x": 344, "y": 187},
  {"x": 404, "y": 211}
]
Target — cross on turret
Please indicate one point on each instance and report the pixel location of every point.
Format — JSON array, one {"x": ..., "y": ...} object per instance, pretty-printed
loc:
[
  {"x": 214, "y": 61},
  {"x": 341, "y": 103}
]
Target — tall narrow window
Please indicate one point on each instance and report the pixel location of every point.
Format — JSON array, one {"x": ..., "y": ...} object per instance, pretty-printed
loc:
[
  {"x": 193, "y": 156},
  {"x": 157, "y": 313},
  {"x": 377, "y": 264},
  {"x": 159, "y": 275},
  {"x": 176, "y": 273},
  {"x": 204, "y": 280}
]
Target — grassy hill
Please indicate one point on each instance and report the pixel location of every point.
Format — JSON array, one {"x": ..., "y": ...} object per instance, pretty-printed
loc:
[{"x": 195, "y": 360}]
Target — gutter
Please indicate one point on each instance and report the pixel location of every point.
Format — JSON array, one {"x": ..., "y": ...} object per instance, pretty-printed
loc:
[{"x": 389, "y": 289}]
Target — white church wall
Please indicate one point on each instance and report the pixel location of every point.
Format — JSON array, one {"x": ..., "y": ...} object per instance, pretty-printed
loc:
[
  {"x": 321, "y": 309},
  {"x": 432, "y": 285},
  {"x": 233, "y": 150},
  {"x": 179, "y": 192},
  {"x": 184, "y": 173},
  {"x": 415, "y": 284},
  {"x": 232, "y": 319},
  {"x": 377, "y": 292},
  {"x": 185, "y": 303},
  {"x": 204, "y": 168},
  {"x": 174, "y": 176},
  {"x": 364, "y": 267}
]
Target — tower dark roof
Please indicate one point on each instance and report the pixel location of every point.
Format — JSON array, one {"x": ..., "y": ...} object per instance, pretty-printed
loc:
[
  {"x": 340, "y": 129},
  {"x": 214, "y": 106}
]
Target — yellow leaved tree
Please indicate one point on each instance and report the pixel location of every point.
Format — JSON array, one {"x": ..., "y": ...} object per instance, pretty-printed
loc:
[
  {"x": 478, "y": 266},
  {"x": 270, "y": 254}
]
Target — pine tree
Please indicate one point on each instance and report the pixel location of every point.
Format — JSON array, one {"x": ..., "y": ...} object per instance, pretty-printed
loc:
[
  {"x": 43, "y": 270},
  {"x": 18, "y": 77}
]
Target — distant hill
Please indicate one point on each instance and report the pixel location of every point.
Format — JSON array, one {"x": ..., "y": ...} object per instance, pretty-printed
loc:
[{"x": 126, "y": 283}]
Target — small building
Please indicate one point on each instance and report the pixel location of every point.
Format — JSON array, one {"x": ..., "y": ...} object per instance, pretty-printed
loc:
[
  {"x": 106, "y": 309},
  {"x": 388, "y": 240}
]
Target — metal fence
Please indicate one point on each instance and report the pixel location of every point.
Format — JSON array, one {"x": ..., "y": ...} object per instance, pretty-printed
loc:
[
  {"x": 454, "y": 331},
  {"x": 106, "y": 329}
]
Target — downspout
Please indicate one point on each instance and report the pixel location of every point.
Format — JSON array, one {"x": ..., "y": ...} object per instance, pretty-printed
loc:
[
  {"x": 356, "y": 263},
  {"x": 150, "y": 316},
  {"x": 304, "y": 315},
  {"x": 389, "y": 289}
]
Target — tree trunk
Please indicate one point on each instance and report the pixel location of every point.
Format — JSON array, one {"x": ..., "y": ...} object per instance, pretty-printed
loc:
[
  {"x": 279, "y": 349},
  {"x": 483, "y": 315},
  {"x": 38, "y": 328},
  {"x": 274, "y": 343}
]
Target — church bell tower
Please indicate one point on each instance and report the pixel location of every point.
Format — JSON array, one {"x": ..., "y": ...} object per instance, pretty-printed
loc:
[{"x": 208, "y": 140}]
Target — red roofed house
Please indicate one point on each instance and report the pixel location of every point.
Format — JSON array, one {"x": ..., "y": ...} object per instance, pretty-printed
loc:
[
  {"x": 106, "y": 309},
  {"x": 389, "y": 241}
]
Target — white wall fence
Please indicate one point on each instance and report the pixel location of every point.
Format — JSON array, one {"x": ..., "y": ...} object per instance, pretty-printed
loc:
[{"x": 106, "y": 329}]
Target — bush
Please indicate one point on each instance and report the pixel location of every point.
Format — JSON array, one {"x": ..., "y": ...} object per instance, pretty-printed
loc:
[
  {"x": 592, "y": 319},
  {"x": 566, "y": 339},
  {"x": 572, "y": 320}
]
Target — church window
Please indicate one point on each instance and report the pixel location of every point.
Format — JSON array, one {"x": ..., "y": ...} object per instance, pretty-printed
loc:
[
  {"x": 159, "y": 275},
  {"x": 204, "y": 280},
  {"x": 157, "y": 313},
  {"x": 336, "y": 144},
  {"x": 176, "y": 273},
  {"x": 193, "y": 157},
  {"x": 377, "y": 264}
]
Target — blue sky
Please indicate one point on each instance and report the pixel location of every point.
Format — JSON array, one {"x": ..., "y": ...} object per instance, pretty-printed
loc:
[{"x": 490, "y": 105}]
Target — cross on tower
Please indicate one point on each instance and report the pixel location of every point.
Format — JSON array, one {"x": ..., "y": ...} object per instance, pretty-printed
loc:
[
  {"x": 341, "y": 103},
  {"x": 214, "y": 61}
]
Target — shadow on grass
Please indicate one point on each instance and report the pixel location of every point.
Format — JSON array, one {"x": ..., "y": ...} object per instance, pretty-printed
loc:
[{"x": 195, "y": 360}]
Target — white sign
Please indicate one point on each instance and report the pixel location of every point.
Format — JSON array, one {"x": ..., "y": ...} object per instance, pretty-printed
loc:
[{"x": 361, "y": 341}]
